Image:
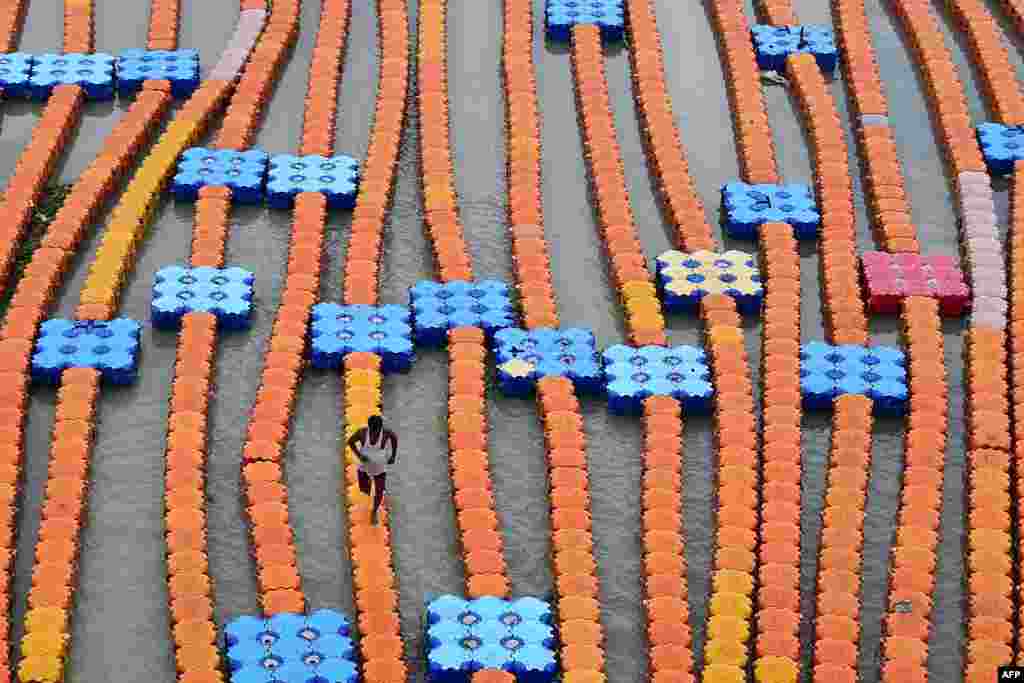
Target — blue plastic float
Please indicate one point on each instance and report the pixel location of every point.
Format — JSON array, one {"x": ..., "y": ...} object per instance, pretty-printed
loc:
[
  {"x": 634, "y": 374},
  {"x": 1001, "y": 146},
  {"x": 747, "y": 207},
  {"x": 15, "y": 73},
  {"x": 464, "y": 636},
  {"x": 878, "y": 372},
  {"x": 563, "y": 15},
  {"x": 523, "y": 357},
  {"x": 773, "y": 44},
  {"x": 93, "y": 72},
  {"x": 112, "y": 347},
  {"x": 291, "y": 648},
  {"x": 180, "y": 67},
  {"x": 336, "y": 331},
  {"x": 438, "y": 307},
  {"x": 337, "y": 178},
  {"x": 244, "y": 173},
  {"x": 224, "y": 292}
]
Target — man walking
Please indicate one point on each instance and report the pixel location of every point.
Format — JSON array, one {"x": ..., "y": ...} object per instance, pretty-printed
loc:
[{"x": 371, "y": 445}]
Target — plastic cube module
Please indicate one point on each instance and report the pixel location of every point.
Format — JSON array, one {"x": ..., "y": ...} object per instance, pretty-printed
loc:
[
  {"x": 224, "y": 292},
  {"x": 93, "y": 72},
  {"x": 112, "y": 347},
  {"x": 634, "y": 374},
  {"x": 563, "y": 15},
  {"x": 244, "y": 173},
  {"x": 180, "y": 67},
  {"x": 337, "y": 331},
  {"x": 888, "y": 278},
  {"x": 747, "y": 207},
  {"x": 337, "y": 178},
  {"x": 464, "y": 636},
  {"x": 523, "y": 357},
  {"x": 437, "y": 308},
  {"x": 878, "y": 372},
  {"x": 1002, "y": 146},
  {"x": 15, "y": 72},
  {"x": 684, "y": 279},
  {"x": 291, "y": 648},
  {"x": 773, "y": 44}
]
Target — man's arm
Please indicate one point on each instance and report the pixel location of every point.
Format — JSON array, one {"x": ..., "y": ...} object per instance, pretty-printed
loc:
[
  {"x": 356, "y": 441},
  {"x": 394, "y": 447}
]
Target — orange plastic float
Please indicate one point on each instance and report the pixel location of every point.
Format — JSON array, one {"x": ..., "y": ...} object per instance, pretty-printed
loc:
[
  {"x": 198, "y": 340},
  {"x": 277, "y": 575},
  {"x": 562, "y": 423},
  {"x": 987, "y": 412},
  {"x": 981, "y": 458},
  {"x": 57, "y": 550}
]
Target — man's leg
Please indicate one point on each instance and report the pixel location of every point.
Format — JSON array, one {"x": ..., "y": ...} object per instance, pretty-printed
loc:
[
  {"x": 364, "y": 482},
  {"x": 379, "y": 482}
]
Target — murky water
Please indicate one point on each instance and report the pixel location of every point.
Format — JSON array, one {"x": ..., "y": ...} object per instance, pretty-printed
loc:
[{"x": 121, "y": 619}]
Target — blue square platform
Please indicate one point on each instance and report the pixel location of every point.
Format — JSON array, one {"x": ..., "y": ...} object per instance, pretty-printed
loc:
[
  {"x": 337, "y": 178},
  {"x": 224, "y": 292},
  {"x": 633, "y": 374},
  {"x": 290, "y": 648},
  {"x": 439, "y": 307},
  {"x": 336, "y": 331},
  {"x": 878, "y": 372},
  {"x": 773, "y": 44},
  {"x": 464, "y": 636},
  {"x": 1001, "y": 146},
  {"x": 563, "y": 15},
  {"x": 112, "y": 347},
  {"x": 244, "y": 173},
  {"x": 180, "y": 67},
  {"x": 523, "y": 357},
  {"x": 15, "y": 73},
  {"x": 93, "y": 72},
  {"x": 747, "y": 207}
]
